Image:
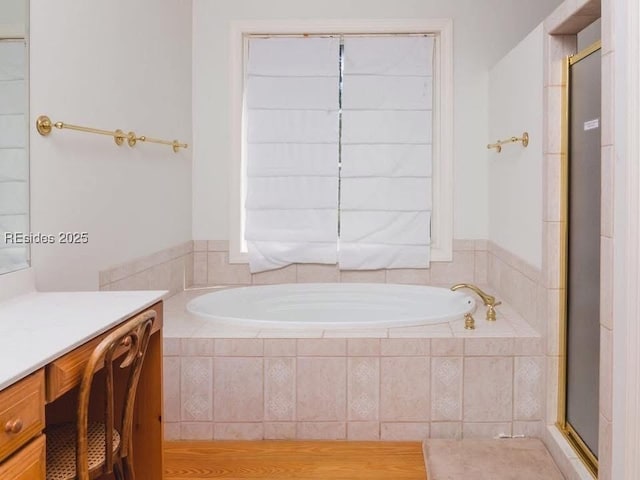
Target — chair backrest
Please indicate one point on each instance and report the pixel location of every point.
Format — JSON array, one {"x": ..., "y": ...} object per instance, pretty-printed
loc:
[{"x": 129, "y": 340}]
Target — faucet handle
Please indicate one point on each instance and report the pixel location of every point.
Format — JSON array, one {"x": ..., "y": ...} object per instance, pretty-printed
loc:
[{"x": 491, "y": 311}]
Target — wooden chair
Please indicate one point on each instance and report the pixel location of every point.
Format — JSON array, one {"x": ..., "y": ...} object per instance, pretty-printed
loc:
[{"x": 85, "y": 450}]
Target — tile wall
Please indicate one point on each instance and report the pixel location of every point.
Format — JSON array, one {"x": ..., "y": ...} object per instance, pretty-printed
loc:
[
  {"x": 211, "y": 267},
  {"x": 355, "y": 388},
  {"x": 170, "y": 269}
]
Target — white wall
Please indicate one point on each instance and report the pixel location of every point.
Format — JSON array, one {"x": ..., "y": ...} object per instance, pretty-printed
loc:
[
  {"x": 115, "y": 64},
  {"x": 483, "y": 32},
  {"x": 515, "y": 175},
  {"x": 12, "y": 12}
]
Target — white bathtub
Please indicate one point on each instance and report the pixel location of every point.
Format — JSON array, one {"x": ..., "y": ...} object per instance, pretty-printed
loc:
[{"x": 332, "y": 306}]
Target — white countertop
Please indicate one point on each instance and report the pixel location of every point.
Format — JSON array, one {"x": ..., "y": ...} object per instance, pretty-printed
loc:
[{"x": 37, "y": 328}]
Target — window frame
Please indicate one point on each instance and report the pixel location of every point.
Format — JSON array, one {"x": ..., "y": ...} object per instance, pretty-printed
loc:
[{"x": 442, "y": 175}]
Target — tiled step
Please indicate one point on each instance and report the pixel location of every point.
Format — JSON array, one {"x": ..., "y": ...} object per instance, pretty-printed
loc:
[{"x": 485, "y": 459}]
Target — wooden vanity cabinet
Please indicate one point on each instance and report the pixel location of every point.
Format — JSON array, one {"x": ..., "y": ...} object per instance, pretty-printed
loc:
[
  {"x": 23, "y": 416},
  {"x": 22, "y": 444}
]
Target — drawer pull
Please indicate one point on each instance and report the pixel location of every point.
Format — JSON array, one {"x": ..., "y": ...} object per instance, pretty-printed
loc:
[{"x": 13, "y": 426}]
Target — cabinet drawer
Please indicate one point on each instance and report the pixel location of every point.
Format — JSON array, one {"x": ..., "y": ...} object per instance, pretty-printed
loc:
[
  {"x": 27, "y": 464},
  {"x": 21, "y": 413},
  {"x": 66, "y": 372}
]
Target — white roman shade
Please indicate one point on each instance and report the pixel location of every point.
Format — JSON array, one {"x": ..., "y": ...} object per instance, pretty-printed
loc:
[
  {"x": 386, "y": 197},
  {"x": 292, "y": 101}
]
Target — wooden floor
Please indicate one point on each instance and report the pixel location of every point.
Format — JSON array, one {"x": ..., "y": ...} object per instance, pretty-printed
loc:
[{"x": 294, "y": 460}]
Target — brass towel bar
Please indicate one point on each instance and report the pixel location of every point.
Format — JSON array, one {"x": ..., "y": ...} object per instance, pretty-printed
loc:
[
  {"x": 45, "y": 126},
  {"x": 524, "y": 139}
]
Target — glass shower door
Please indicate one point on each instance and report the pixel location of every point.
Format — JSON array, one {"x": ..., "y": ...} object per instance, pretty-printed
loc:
[{"x": 582, "y": 335}]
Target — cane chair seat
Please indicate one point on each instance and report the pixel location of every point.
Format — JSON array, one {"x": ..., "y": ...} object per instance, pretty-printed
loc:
[{"x": 61, "y": 449}]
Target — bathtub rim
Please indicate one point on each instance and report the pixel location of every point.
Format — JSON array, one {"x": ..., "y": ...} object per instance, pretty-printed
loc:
[{"x": 261, "y": 324}]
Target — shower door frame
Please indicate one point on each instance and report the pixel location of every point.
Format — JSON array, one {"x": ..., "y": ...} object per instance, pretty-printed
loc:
[{"x": 574, "y": 439}]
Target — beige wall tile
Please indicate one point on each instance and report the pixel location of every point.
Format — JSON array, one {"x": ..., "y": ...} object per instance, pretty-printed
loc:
[
  {"x": 171, "y": 389},
  {"x": 557, "y": 48},
  {"x": 221, "y": 272},
  {"x": 321, "y": 388},
  {"x": 196, "y": 431},
  {"x": 400, "y": 347},
  {"x": 528, "y": 388},
  {"x": 553, "y": 188},
  {"x": 404, "y": 389},
  {"x": 199, "y": 245},
  {"x": 461, "y": 269},
  {"x": 606, "y": 373},
  {"x": 485, "y": 430},
  {"x": 488, "y": 346},
  {"x": 280, "y": 388},
  {"x": 238, "y": 431},
  {"x": 312, "y": 273},
  {"x": 552, "y": 120},
  {"x": 606, "y": 282},
  {"x": 363, "y": 276},
  {"x": 171, "y": 431},
  {"x": 462, "y": 245},
  {"x": 404, "y": 431},
  {"x": 528, "y": 429},
  {"x": 481, "y": 245},
  {"x": 218, "y": 246},
  {"x": 451, "y": 430},
  {"x": 488, "y": 389},
  {"x": 363, "y": 388},
  {"x": 607, "y": 100},
  {"x": 446, "y": 388},
  {"x": 361, "y": 347},
  {"x": 605, "y": 449},
  {"x": 363, "y": 431},
  {"x": 553, "y": 320},
  {"x": 282, "y": 275},
  {"x": 321, "y": 431},
  {"x": 239, "y": 347},
  {"x": 607, "y": 191},
  {"x": 481, "y": 267},
  {"x": 196, "y": 389},
  {"x": 437, "y": 330},
  {"x": 529, "y": 346},
  {"x": 200, "y": 268},
  {"x": 178, "y": 275},
  {"x": 551, "y": 259},
  {"x": 170, "y": 347},
  {"x": 552, "y": 390},
  {"x": 447, "y": 346},
  {"x": 279, "y": 430},
  {"x": 359, "y": 333},
  {"x": 279, "y": 347},
  {"x": 322, "y": 347},
  {"x": 196, "y": 347},
  {"x": 414, "y": 276},
  {"x": 238, "y": 389},
  {"x": 188, "y": 270}
]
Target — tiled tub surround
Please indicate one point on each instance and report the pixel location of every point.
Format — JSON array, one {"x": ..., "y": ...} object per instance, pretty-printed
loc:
[
  {"x": 170, "y": 269},
  {"x": 437, "y": 381},
  {"x": 211, "y": 267}
]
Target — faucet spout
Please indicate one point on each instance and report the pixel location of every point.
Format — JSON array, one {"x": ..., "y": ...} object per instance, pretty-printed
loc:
[{"x": 488, "y": 300}]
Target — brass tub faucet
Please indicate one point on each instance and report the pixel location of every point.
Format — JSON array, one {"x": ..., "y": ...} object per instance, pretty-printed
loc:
[{"x": 488, "y": 300}]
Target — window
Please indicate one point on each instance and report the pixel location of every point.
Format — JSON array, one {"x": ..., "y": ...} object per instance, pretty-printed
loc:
[{"x": 338, "y": 121}]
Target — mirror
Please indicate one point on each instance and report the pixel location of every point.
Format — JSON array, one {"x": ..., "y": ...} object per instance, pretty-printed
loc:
[{"x": 14, "y": 135}]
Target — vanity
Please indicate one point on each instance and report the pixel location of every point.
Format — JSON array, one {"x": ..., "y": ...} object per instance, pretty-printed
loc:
[{"x": 46, "y": 340}]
